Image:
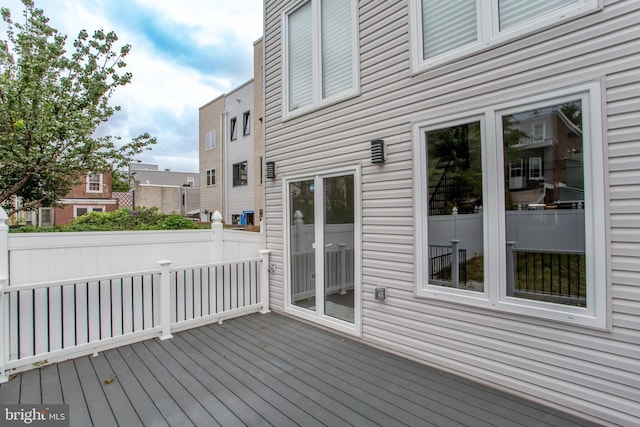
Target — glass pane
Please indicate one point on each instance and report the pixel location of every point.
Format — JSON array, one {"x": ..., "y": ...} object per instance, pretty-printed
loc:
[
  {"x": 545, "y": 205},
  {"x": 303, "y": 260},
  {"x": 447, "y": 25},
  {"x": 337, "y": 75},
  {"x": 514, "y": 12},
  {"x": 300, "y": 64},
  {"x": 339, "y": 247},
  {"x": 455, "y": 224}
]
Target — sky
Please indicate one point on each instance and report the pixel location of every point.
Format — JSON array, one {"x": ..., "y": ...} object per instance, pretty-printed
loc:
[{"x": 184, "y": 53}]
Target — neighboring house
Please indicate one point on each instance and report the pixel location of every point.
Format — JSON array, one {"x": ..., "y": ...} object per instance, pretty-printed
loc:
[
  {"x": 93, "y": 194},
  {"x": 171, "y": 192},
  {"x": 232, "y": 151},
  {"x": 459, "y": 186}
]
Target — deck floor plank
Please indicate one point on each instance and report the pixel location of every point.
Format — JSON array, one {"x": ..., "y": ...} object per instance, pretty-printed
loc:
[
  {"x": 73, "y": 394},
  {"x": 184, "y": 370},
  {"x": 188, "y": 404},
  {"x": 488, "y": 400},
  {"x": 296, "y": 405},
  {"x": 50, "y": 385},
  {"x": 327, "y": 361},
  {"x": 267, "y": 370},
  {"x": 161, "y": 398},
  {"x": 144, "y": 406},
  {"x": 98, "y": 405},
  {"x": 122, "y": 408},
  {"x": 241, "y": 391}
]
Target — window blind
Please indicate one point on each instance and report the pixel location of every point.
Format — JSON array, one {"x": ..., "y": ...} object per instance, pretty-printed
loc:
[
  {"x": 300, "y": 57},
  {"x": 447, "y": 25},
  {"x": 336, "y": 39},
  {"x": 514, "y": 12}
]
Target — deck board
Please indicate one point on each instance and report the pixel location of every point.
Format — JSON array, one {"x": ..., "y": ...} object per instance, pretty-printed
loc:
[{"x": 267, "y": 370}]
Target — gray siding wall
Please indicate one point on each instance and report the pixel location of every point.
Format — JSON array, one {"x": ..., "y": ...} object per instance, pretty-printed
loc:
[
  {"x": 241, "y": 197},
  {"x": 593, "y": 372}
]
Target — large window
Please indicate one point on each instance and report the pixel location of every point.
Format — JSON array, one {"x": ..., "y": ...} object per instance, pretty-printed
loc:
[
  {"x": 447, "y": 30},
  {"x": 240, "y": 174},
  {"x": 488, "y": 236},
  {"x": 320, "y": 53}
]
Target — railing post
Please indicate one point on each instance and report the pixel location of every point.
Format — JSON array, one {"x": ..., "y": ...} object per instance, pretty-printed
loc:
[
  {"x": 165, "y": 299},
  {"x": 343, "y": 268},
  {"x": 4, "y": 282},
  {"x": 264, "y": 280},
  {"x": 218, "y": 237},
  {"x": 455, "y": 263},
  {"x": 511, "y": 271}
]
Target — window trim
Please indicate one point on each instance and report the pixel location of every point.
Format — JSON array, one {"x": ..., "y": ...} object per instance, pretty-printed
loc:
[
  {"x": 317, "y": 100},
  {"x": 488, "y": 31},
  {"x": 246, "y": 123},
  {"x": 239, "y": 182},
  {"x": 89, "y": 208},
  {"x": 596, "y": 314},
  {"x": 100, "y": 183},
  {"x": 233, "y": 129},
  {"x": 540, "y": 175},
  {"x": 210, "y": 140},
  {"x": 210, "y": 177}
]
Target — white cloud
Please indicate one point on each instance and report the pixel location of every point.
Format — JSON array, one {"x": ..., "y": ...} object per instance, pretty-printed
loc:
[{"x": 183, "y": 55}]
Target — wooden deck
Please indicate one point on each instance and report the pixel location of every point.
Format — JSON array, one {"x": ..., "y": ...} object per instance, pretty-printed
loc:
[{"x": 266, "y": 370}]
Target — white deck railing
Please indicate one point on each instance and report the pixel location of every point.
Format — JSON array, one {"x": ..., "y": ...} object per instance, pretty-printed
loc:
[{"x": 44, "y": 321}]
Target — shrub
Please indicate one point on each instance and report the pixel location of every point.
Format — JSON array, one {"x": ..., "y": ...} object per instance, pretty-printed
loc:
[{"x": 120, "y": 220}]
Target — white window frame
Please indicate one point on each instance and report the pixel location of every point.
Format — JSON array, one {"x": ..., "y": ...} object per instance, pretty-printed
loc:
[
  {"x": 317, "y": 99},
  {"x": 538, "y": 137},
  {"x": 210, "y": 140},
  {"x": 40, "y": 215},
  {"x": 488, "y": 30},
  {"x": 540, "y": 175},
  {"x": 494, "y": 297},
  {"x": 89, "y": 208},
  {"x": 210, "y": 177},
  {"x": 100, "y": 183}
]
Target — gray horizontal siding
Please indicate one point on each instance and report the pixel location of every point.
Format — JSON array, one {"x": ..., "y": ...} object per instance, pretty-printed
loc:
[{"x": 595, "y": 372}]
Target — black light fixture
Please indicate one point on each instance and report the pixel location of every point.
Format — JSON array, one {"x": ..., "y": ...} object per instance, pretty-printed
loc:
[
  {"x": 377, "y": 151},
  {"x": 271, "y": 170}
]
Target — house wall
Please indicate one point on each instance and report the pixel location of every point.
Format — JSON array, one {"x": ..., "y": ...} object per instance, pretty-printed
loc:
[
  {"x": 258, "y": 127},
  {"x": 240, "y": 197},
  {"x": 79, "y": 197},
  {"x": 592, "y": 372},
  {"x": 210, "y": 119}
]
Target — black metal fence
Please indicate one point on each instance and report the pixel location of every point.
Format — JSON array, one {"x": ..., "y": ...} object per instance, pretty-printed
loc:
[
  {"x": 558, "y": 277},
  {"x": 440, "y": 260}
]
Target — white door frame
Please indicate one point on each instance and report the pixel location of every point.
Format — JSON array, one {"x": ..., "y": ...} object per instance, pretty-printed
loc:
[{"x": 318, "y": 316}]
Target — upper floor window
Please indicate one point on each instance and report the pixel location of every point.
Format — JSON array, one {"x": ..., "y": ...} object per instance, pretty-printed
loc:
[
  {"x": 488, "y": 236},
  {"x": 233, "y": 129},
  {"x": 320, "y": 53},
  {"x": 94, "y": 183},
  {"x": 240, "y": 172},
  {"x": 191, "y": 181},
  {"x": 211, "y": 177},
  {"x": 246, "y": 123},
  {"x": 210, "y": 140},
  {"x": 446, "y": 30}
]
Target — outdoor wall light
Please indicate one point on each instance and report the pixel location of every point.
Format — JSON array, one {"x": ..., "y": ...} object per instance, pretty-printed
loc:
[
  {"x": 271, "y": 170},
  {"x": 377, "y": 151}
]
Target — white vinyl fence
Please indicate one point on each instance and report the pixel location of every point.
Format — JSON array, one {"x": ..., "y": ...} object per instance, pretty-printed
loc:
[{"x": 60, "y": 309}]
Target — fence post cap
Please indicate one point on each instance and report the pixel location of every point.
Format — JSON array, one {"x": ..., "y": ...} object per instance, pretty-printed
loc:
[
  {"x": 264, "y": 251},
  {"x": 3, "y": 217},
  {"x": 164, "y": 262},
  {"x": 217, "y": 217}
]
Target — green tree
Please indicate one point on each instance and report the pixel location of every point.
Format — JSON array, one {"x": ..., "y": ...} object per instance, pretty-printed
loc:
[{"x": 51, "y": 104}]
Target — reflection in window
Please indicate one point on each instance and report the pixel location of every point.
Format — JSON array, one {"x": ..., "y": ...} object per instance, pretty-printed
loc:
[
  {"x": 545, "y": 214},
  {"x": 455, "y": 217}
]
